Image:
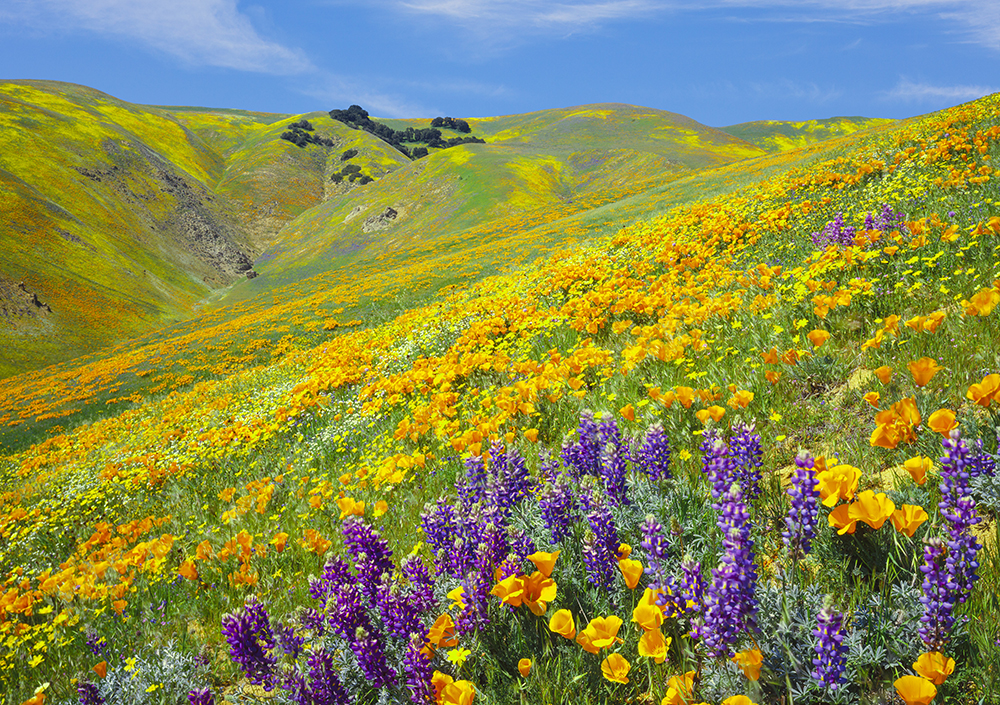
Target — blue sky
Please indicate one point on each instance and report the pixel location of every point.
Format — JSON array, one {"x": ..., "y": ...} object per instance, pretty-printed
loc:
[{"x": 718, "y": 61}]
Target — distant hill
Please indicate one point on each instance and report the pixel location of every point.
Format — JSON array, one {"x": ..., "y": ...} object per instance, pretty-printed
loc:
[
  {"x": 120, "y": 218},
  {"x": 780, "y": 136}
]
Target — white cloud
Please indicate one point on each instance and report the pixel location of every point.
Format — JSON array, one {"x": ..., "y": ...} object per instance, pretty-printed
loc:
[
  {"x": 977, "y": 20},
  {"x": 908, "y": 91},
  {"x": 786, "y": 88},
  {"x": 339, "y": 92},
  {"x": 201, "y": 32},
  {"x": 532, "y": 14}
]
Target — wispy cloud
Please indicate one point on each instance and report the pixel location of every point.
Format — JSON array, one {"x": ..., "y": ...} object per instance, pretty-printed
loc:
[
  {"x": 339, "y": 92},
  {"x": 977, "y": 20},
  {"x": 532, "y": 14},
  {"x": 911, "y": 92},
  {"x": 198, "y": 32},
  {"x": 800, "y": 90}
]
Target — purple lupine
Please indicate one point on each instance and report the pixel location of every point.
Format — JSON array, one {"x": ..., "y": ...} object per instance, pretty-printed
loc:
[
  {"x": 511, "y": 565},
  {"x": 981, "y": 462},
  {"x": 421, "y": 583},
  {"x": 958, "y": 507},
  {"x": 372, "y": 555},
  {"x": 885, "y": 220},
  {"x": 419, "y": 674},
  {"x": 596, "y": 559},
  {"x": 603, "y": 525},
  {"x": 288, "y": 641},
  {"x": 345, "y": 610},
  {"x": 834, "y": 233},
  {"x": 937, "y": 599},
  {"x": 730, "y": 600},
  {"x": 201, "y": 696},
  {"x": 718, "y": 466},
  {"x": 439, "y": 525},
  {"x": 520, "y": 544},
  {"x": 548, "y": 467},
  {"x": 558, "y": 508},
  {"x": 324, "y": 686},
  {"x": 655, "y": 546},
  {"x": 297, "y": 687},
  {"x": 600, "y": 549},
  {"x": 335, "y": 573},
  {"x": 747, "y": 454},
  {"x": 476, "y": 585},
  {"x": 96, "y": 643},
  {"x": 492, "y": 546},
  {"x": 693, "y": 585},
  {"x": 511, "y": 480},
  {"x": 584, "y": 456},
  {"x": 473, "y": 489},
  {"x": 400, "y": 615},
  {"x": 803, "y": 517},
  {"x": 367, "y": 646},
  {"x": 831, "y": 653},
  {"x": 654, "y": 454},
  {"x": 89, "y": 694},
  {"x": 614, "y": 469},
  {"x": 313, "y": 620},
  {"x": 248, "y": 633},
  {"x": 608, "y": 432}
]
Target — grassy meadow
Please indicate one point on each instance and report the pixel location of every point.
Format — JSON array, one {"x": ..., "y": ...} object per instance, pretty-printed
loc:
[{"x": 720, "y": 432}]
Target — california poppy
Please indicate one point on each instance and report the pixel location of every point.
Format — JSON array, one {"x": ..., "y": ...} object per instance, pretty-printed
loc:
[
  {"x": 750, "y": 661},
  {"x": 615, "y": 668},
  {"x": 818, "y": 336},
  {"x": 653, "y": 645},
  {"x": 873, "y": 509},
  {"x": 601, "y": 633},
  {"x": 923, "y": 370},
  {"x": 942, "y": 421},
  {"x": 545, "y": 562},
  {"x": 915, "y": 690},
  {"x": 934, "y": 666},
  {"x": 908, "y": 518},
  {"x": 562, "y": 624},
  {"x": 631, "y": 570}
]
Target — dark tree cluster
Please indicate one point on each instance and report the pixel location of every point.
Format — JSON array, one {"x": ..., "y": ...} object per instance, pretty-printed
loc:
[
  {"x": 357, "y": 117},
  {"x": 451, "y": 123},
  {"x": 351, "y": 172},
  {"x": 301, "y": 134},
  {"x": 349, "y": 154}
]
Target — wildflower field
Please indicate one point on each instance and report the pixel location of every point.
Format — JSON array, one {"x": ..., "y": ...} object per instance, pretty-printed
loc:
[{"x": 731, "y": 439}]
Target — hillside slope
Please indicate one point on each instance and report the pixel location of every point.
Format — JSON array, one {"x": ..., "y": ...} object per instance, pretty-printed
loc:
[
  {"x": 780, "y": 135},
  {"x": 109, "y": 220},
  {"x": 119, "y": 218},
  {"x": 556, "y": 162},
  {"x": 805, "y": 325}
]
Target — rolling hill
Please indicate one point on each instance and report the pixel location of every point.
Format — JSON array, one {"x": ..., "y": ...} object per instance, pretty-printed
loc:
[
  {"x": 507, "y": 390},
  {"x": 122, "y": 218}
]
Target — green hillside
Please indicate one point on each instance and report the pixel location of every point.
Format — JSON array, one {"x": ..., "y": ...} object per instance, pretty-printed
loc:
[
  {"x": 120, "y": 218},
  {"x": 506, "y": 424},
  {"x": 779, "y": 136},
  {"x": 123, "y": 218},
  {"x": 109, "y": 220}
]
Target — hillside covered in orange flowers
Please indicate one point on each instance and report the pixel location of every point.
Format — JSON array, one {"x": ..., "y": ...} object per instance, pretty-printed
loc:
[{"x": 447, "y": 339}]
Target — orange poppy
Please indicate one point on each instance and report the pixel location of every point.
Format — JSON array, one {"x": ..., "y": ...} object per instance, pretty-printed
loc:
[
  {"x": 562, "y": 624},
  {"x": 934, "y": 666},
  {"x": 615, "y": 668},
  {"x": 915, "y": 690},
  {"x": 923, "y": 370},
  {"x": 942, "y": 421}
]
